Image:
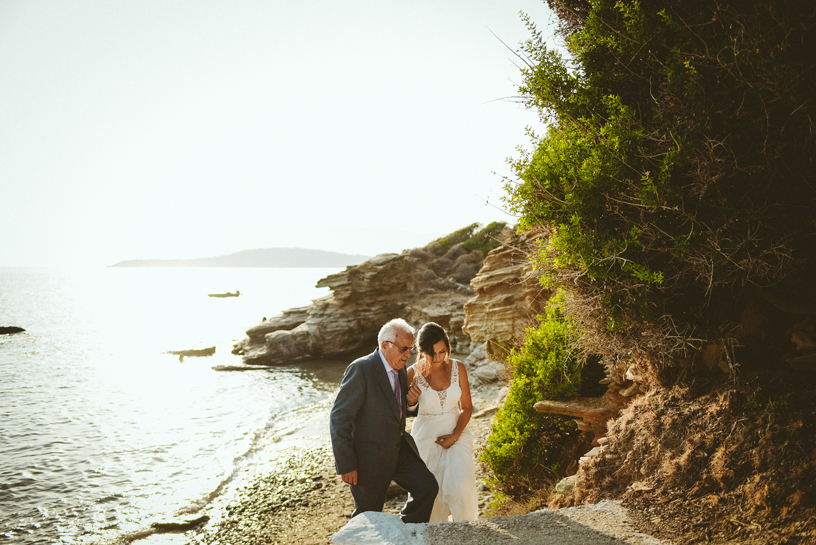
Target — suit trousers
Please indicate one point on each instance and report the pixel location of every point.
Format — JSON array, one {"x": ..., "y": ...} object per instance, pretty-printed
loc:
[{"x": 411, "y": 474}]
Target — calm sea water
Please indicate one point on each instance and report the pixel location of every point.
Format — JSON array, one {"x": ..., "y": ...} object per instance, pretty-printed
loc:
[{"x": 102, "y": 433}]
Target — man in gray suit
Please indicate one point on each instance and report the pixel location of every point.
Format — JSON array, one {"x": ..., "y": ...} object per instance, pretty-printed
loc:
[{"x": 371, "y": 446}]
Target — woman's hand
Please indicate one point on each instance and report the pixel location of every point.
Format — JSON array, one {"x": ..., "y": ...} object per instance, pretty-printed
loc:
[{"x": 445, "y": 441}]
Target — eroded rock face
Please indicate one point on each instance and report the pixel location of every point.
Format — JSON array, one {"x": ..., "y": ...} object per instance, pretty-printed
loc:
[
  {"x": 508, "y": 295},
  {"x": 363, "y": 298}
]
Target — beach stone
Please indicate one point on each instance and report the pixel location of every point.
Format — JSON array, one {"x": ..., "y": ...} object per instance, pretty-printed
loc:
[
  {"x": 566, "y": 485},
  {"x": 488, "y": 372},
  {"x": 477, "y": 356},
  {"x": 374, "y": 528}
]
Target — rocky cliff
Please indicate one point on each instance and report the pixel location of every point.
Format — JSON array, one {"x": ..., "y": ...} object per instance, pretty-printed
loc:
[
  {"x": 419, "y": 285},
  {"x": 508, "y": 295}
]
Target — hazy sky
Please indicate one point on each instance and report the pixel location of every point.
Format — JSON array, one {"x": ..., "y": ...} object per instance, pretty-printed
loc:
[{"x": 178, "y": 129}]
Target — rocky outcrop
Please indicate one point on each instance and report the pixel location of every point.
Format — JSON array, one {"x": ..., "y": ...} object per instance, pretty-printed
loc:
[
  {"x": 508, "y": 298},
  {"x": 192, "y": 353},
  {"x": 417, "y": 285},
  {"x": 508, "y": 295},
  {"x": 590, "y": 413}
]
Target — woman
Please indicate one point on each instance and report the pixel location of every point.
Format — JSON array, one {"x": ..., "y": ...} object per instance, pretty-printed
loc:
[{"x": 440, "y": 429}]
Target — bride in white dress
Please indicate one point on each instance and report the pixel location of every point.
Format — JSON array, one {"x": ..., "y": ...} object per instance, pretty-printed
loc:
[{"x": 440, "y": 430}]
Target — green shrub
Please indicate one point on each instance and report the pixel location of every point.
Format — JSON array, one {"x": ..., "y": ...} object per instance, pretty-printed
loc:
[
  {"x": 676, "y": 170},
  {"x": 484, "y": 239},
  {"x": 525, "y": 448}
]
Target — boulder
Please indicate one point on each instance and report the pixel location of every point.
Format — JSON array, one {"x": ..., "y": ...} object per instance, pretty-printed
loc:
[
  {"x": 287, "y": 320},
  {"x": 375, "y": 528},
  {"x": 565, "y": 486}
]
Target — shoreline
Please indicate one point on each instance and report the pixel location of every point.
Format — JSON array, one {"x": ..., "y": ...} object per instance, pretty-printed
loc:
[{"x": 303, "y": 500}]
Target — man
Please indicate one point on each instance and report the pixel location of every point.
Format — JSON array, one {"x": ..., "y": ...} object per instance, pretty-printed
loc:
[{"x": 371, "y": 446}]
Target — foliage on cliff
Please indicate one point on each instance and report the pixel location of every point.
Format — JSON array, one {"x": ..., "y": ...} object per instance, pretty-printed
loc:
[
  {"x": 526, "y": 449},
  {"x": 676, "y": 176},
  {"x": 471, "y": 238},
  {"x": 677, "y": 170}
]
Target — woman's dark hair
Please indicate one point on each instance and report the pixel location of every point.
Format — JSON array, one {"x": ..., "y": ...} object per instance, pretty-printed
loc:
[{"x": 430, "y": 334}]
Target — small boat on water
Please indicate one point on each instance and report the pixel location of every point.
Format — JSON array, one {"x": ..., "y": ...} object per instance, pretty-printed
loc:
[{"x": 228, "y": 294}]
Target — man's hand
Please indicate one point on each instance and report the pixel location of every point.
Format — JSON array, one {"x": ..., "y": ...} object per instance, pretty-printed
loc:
[
  {"x": 413, "y": 394},
  {"x": 350, "y": 477}
]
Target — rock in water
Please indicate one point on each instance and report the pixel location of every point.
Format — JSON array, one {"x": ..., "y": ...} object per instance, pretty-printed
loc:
[
  {"x": 11, "y": 329},
  {"x": 192, "y": 353},
  {"x": 164, "y": 527}
]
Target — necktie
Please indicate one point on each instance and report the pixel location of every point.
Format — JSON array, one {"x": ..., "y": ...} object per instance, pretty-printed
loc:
[{"x": 395, "y": 375}]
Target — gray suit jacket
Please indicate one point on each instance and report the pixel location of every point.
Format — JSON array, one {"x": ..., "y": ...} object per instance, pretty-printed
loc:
[{"x": 366, "y": 428}]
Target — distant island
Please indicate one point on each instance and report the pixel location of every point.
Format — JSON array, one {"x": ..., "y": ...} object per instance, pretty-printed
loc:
[{"x": 268, "y": 257}]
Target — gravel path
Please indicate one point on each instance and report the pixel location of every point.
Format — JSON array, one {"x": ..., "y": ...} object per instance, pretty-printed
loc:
[{"x": 606, "y": 523}]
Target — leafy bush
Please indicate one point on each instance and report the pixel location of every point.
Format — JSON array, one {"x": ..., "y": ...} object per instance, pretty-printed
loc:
[
  {"x": 676, "y": 172},
  {"x": 484, "y": 239},
  {"x": 526, "y": 448}
]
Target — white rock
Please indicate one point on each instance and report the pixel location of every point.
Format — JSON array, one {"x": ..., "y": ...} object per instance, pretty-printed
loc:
[
  {"x": 477, "y": 357},
  {"x": 372, "y": 528},
  {"x": 486, "y": 373},
  {"x": 566, "y": 485}
]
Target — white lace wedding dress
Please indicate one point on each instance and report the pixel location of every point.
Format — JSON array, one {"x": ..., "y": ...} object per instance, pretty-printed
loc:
[{"x": 454, "y": 468}]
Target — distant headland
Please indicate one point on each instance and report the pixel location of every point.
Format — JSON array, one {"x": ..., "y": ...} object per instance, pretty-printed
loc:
[{"x": 267, "y": 257}]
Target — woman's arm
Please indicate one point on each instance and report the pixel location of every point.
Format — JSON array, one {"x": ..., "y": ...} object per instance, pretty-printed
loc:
[
  {"x": 447, "y": 441},
  {"x": 465, "y": 401}
]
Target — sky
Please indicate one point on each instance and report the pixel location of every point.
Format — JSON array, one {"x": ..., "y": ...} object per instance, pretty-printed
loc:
[{"x": 162, "y": 129}]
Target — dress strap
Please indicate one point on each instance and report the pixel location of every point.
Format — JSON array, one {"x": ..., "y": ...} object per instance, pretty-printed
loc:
[{"x": 420, "y": 380}]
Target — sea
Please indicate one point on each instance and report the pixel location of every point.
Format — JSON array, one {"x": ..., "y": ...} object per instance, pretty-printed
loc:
[{"x": 102, "y": 432}]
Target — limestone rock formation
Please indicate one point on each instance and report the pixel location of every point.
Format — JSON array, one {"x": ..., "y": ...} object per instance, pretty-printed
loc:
[
  {"x": 417, "y": 285},
  {"x": 508, "y": 295},
  {"x": 508, "y": 298}
]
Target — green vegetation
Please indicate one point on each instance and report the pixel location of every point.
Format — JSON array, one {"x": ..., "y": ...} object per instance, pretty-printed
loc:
[
  {"x": 676, "y": 172},
  {"x": 676, "y": 177},
  {"x": 526, "y": 448},
  {"x": 471, "y": 238}
]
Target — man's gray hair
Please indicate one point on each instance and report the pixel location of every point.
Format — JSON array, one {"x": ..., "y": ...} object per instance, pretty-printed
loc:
[{"x": 389, "y": 331}]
